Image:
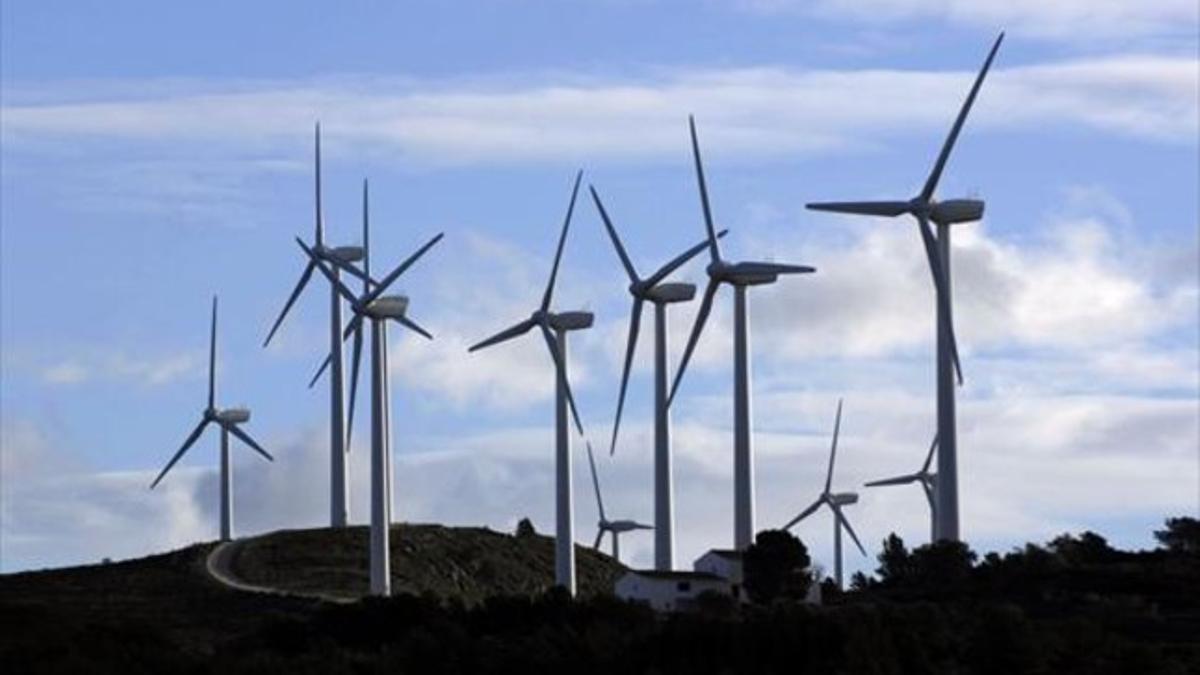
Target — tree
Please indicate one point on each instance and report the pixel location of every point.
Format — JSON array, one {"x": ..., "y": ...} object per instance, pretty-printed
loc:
[
  {"x": 776, "y": 566},
  {"x": 943, "y": 564},
  {"x": 525, "y": 528},
  {"x": 895, "y": 563},
  {"x": 1182, "y": 535},
  {"x": 1087, "y": 548}
]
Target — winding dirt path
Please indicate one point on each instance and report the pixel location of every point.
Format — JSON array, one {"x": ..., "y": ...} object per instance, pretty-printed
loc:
[{"x": 219, "y": 566}]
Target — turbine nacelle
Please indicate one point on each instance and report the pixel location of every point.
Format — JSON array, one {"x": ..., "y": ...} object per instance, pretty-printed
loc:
[
  {"x": 842, "y": 498},
  {"x": 953, "y": 211},
  {"x": 345, "y": 254},
  {"x": 738, "y": 275},
  {"x": 667, "y": 292},
  {"x": 620, "y": 526},
  {"x": 232, "y": 415},
  {"x": 387, "y": 307},
  {"x": 566, "y": 320}
]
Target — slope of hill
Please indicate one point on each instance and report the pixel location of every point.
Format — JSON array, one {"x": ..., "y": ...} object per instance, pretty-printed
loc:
[{"x": 466, "y": 563}]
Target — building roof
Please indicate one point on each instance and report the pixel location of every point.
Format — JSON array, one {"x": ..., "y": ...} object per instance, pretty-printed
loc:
[
  {"x": 727, "y": 553},
  {"x": 676, "y": 575}
]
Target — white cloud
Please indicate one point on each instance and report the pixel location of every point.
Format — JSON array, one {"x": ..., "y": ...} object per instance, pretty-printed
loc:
[
  {"x": 146, "y": 370},
  {"x": 1070, "y": 20},
  {"x": 746, "y": 111}
]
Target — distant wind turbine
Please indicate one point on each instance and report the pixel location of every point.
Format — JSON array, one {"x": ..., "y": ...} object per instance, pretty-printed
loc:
[
  {"x": 372, "y": 305},
  {"x": 928, "y": 481},
  {"x": 740, "y": 275},
  {"x": 660, "y": 293},
  {"x": 613, "y": 527},
  {"x": 554, "y": 327},
  {"x": 925, "y": 209},
  {"x": 228, "y": 419},
  {"x": 341, "y": 258},
  {"x": 835, "y": 502}
]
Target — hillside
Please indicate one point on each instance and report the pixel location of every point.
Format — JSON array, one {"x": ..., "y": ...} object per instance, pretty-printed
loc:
[{"x": 464, "y": 563}]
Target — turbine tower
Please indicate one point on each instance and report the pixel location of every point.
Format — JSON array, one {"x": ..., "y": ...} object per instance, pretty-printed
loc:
[
  {"x": 835, "y": 502},
  {"x": 613, "y": 527},
  {"x": 925, "y": 209},
  {"x": 228, "y": 419},
  {"x": 661, "y": 294},
  {"x": 928, "y": 481},
  {"x": 740, "y": 275},
  {"x": 378, "y": 309},
  {"x": 341, "y": 258},
  {"x": 554, "y": 327}
]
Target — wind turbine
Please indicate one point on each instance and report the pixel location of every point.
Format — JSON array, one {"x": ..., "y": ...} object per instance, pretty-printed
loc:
[
  {"x": 835, "y": 502},
  {"x": 661, "y": 294},
  {"x": 740, "y": 275},
  {"x": 554, "y": 327},
  {"x": 928, "y": 481},
  {"x": 925, "y": 209},
  {"x": 341, "y": 258},
  {"x": 378, "y": 309},
  {"x": 613, "y": 527},
  {"x": 228, "y": 419}
]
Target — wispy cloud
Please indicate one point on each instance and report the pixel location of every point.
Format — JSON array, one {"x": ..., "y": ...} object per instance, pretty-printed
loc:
[{"x": 147, "y": 370}]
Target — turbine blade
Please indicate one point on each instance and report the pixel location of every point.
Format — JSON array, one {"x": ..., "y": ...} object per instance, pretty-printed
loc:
[
  {"x": 187, "y": 443},
  {"x": 772, "y": 268},
  {"x": 940, "y": 288},
  {"x": 366, "y": 238},
  {"x": 846, "y": 524},
  {"x": 837, "y": 425},
  {"x": 936, "y": 174},
  {"x": 929, "y": 496},
  {"x": 562, "y": 240},
  {"x": 560, "y": 368},
  {"x": 328, "y": 274},
  {"x": 350, "y": 269},
  {"x": 889, "y": 209},
  {"x": 596, "y": 482},
  {"x": 504, "y": 335},
  {"x": 212, "y": 357},
  {"x": 898, "y": 480},
  {"x": 805, "y": 513},
  {"x": 413, "y": 326},
  {"x": 400, "y": 269},
  {"x": 354, "y": 364},
  {"x": 355, "y": 322},
  {"x": 679, "y": 260},
  {"x": 635, "y": 322},
  {"x": 599, "y": 537},
  {"x": 320, "y": 234},
  {"x": 701, "y": 317},
  {"x": 929, "y": 457},
  {"x": 304, "y": 277},
  {"x": 245, "y": 438},
  {"x": 642, "y": 526},
  {"x": 713, "y": 249},
  {"x": 320, "y": 370},
  {"x": 616, "y": 240}
]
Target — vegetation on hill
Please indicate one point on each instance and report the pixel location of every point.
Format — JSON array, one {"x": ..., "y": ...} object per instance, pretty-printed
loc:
[{"x": 1075, "y": 605}]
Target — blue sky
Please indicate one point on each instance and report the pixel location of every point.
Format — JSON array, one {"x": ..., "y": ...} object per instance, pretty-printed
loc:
[{"x": 155, "y": 154}]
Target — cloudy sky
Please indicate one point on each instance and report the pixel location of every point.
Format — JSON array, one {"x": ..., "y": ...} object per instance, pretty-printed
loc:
[{"x": 154, "y": 155}]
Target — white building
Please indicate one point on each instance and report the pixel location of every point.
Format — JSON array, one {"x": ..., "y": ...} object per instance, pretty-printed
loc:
[
  {"x": 668, "y": 591},
  {"x": 718, "y": 570}
]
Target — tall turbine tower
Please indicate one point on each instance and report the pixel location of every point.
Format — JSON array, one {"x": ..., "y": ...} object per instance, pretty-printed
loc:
[
  {"x": 554, "y": 327},
  {"x": 612, "y": 527},
  {"x": 925, "y": 209},
  {"x": 835, "y": 502},
  {"x": 661, "y": 294},
  {"x": 740, "y": 275},
  {"x": 228, "y": 419},
  {"x": 341, "y": 258},
  {"x": 378, "y": 309},
  {"x": 928, "y": 481}
]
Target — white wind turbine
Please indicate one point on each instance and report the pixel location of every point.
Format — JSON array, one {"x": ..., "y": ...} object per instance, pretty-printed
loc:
[
  {"x": 554, "y": 327},
  {"x": 228, "y": 419},
  {"x": 740, "y": 275},
  {"x": 378, "y": 308},
  {"x": 613, "y": 527},
  {"x": 925, "y": 209},
  {"x": 654, "y": 290},
  {"x": 341, "y": 258},
  {"x": 835, "y": 502},
  {"x": 928, "y": 481}
]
